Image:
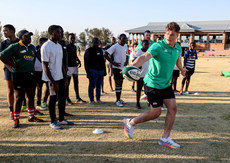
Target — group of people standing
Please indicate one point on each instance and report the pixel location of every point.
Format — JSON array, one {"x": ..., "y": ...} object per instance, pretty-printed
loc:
[
  {"x": 57, "y": 62},
  {"x": 27, "y": 67}
]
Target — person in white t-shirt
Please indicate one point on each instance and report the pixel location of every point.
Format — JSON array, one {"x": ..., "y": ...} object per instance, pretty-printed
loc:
[
  {"x": 132, "y": 57},
  {"x": 144, "y": 69},
  {"x": 118, "y": 52},
  {"x": 54, "y": 74}
]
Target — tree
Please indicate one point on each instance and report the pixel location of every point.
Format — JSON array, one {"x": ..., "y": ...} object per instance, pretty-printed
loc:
[
  {"x": 106, "y": 35},
  {"x": 36, "y": 37},
  {"x": 102, "y": 34},
  {"x": 44, "y": 34},
  {"x": 66, "y": 36},
  {"x": 82, "y": 40}
]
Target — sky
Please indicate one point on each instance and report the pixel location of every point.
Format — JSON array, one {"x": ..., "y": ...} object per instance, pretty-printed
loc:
[{"x": 116, "y": 15}]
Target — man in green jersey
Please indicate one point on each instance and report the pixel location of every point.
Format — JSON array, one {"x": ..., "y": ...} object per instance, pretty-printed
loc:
[
  {"x": 147, "y": 36},
  {"x": 162, "y": 57},
  {"x": 23, "y": 57}
]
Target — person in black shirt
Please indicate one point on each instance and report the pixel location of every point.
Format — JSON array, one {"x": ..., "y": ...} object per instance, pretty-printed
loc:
[
  {"x": 65, "y": 64},
  {"x": 95, "y": 69},
  {"x": 73, "y": 64},
  {"x": 9, "y": 33}
]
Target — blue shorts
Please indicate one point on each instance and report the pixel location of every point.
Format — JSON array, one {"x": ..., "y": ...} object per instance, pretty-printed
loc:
[{"x": 7, "y": 74}]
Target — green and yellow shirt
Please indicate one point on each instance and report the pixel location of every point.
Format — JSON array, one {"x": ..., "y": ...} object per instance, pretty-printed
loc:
[
  {"x": 161, "y": 64},
  {"x": 23, "y": 56}
]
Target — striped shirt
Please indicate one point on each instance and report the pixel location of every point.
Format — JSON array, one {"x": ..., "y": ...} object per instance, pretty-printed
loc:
[{"x": 191, "y": 56}]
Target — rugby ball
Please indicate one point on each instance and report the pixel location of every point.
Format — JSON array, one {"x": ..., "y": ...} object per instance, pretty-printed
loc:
[{"x": 131, "y": 73}]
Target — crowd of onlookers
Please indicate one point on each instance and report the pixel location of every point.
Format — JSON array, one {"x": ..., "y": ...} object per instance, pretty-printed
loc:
[{"x": 54, "y": 62}]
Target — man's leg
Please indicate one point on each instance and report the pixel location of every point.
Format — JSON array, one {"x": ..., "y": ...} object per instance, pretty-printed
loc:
[
  {"x": 182, "y": 85},
  {"x": 92, "y": 85},
  {"x": 61, "y": 104},
  {"x": 187, "y": 83},
  {"x": 10, "y": 96},
  {"x": 39, "y": 93},
  {"x": 169, "y": 121},
  {"x": 170, "y": 116},
  {"x": 30, "y": 88},
  {"x": 19, "y": 96},
  {"x": 98, "y": 85},
  {"x": 110, "y": 74},
  {"x": 52, "y": 103},
  {"x": 146, "y": 116},
  {"x": 140, "y": 84},
  {"x": 46, "y": 95},
  {"x": 76, "y": 87},
  {"x": 61, "y": 99},
  {"x": 110, "y": 83}
]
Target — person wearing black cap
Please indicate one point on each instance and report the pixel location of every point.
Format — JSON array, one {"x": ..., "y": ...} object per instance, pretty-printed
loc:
[{"x": 23, "y": 56}]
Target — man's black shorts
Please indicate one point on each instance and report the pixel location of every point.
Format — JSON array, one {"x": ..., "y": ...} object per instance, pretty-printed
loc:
[
  {"x": 24, "y": 80},
  {"x": 190, "y": 71},
  {"x": 117, "y": 74},
  {"x": 38, "y": 77},
  {"x": 7, "y": 74},
  {"x": 176, "y": 73},
  {"x": 156, "y": 96}
]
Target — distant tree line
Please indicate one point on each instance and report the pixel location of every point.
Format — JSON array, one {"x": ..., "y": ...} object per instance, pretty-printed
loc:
[{"x": 84, "y": 38}]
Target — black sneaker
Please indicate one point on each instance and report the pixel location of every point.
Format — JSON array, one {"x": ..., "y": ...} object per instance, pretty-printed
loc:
[
  {"x": 37, "y": 112},
  {"x": 67, "y": 114},
  {"x": 35, "y": 119},
  {"x": 16, "y": 123},
  {"x": 79, "y": 100},
  {"x": 69, "y": 102}
]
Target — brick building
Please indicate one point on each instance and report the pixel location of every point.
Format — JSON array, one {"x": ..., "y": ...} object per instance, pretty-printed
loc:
[{"x": 210, "y": 36}]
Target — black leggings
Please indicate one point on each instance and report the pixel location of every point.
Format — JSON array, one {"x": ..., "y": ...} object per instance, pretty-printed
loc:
[
  {"x": 140, "y": 84},
  {"x": 61, "y": 96},
  {"x": 118, "y": 82}
]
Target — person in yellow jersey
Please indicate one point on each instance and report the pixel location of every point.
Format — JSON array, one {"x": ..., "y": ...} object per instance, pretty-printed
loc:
[{"x": 22, "y": 63}]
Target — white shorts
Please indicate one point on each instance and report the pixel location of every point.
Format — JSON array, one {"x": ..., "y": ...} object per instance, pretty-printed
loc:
[{"x": 72, "y": 71}]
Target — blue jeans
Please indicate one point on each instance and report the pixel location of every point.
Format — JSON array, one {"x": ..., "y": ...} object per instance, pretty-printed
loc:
[{"x": 96, "y": 79}]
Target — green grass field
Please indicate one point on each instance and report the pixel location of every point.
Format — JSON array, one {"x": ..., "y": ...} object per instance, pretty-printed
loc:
[{"x": 202, "y": 126}]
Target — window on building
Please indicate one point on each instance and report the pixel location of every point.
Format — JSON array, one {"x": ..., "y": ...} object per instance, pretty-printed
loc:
[
  {"x": 184, "y": 38},
  {"x": 228, "y": 38},
  {"x": 215, "y": 38},
  {"x": 200, "y": 38}
]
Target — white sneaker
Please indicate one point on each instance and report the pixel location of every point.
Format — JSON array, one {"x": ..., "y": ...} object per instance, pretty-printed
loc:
[
  {"x": 168, "y": 142},
  {"x": 118, "y": 103},
  {"x": 123, "y": 102},
  {"x": 65, "y": 122},
  {"x": 44, "y": 105},
  {"x": 128, "y": 128},
  {"x": 144, "y": 97},
  {"x": 162, "y": 109}
]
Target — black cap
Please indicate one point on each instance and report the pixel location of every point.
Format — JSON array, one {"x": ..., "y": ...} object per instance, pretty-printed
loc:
[{"x": 24, "y": 32}]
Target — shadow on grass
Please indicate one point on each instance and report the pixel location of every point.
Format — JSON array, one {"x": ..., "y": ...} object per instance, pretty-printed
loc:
[{"x": 146, "y": 150}]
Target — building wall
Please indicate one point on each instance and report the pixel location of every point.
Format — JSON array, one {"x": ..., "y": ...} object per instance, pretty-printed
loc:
[{"x": 202, "y": 46}]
